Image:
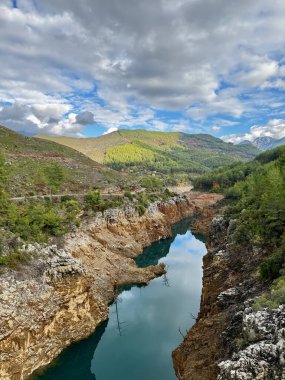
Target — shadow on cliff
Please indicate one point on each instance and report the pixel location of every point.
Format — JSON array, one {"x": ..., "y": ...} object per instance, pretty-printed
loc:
[{"x": 75, "y": 362}]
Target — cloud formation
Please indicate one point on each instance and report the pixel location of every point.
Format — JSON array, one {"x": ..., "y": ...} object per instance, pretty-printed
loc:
[
  {"x": 119, "y": 63},
  {"x": 275, "y": 128}
]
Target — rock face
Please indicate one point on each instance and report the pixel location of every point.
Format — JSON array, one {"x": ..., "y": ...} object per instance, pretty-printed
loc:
[
  {"x": 64, "y": 293},
  {"x": 264, "y": 357},
  {"x": 230, "y": 341}
]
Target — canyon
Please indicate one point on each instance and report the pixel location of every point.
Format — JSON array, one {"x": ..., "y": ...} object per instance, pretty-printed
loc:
[{"x": 63, "y": 293}]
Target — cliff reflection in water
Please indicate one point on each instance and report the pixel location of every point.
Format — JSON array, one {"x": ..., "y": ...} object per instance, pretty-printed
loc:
[{"x": 152, "y": 254}]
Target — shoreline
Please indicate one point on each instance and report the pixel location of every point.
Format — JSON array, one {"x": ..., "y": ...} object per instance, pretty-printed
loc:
[{"x": 64, "y": 293}]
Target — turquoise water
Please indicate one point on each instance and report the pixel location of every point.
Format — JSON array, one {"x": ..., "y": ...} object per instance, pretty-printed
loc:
[{"x": 143, "y": 329}]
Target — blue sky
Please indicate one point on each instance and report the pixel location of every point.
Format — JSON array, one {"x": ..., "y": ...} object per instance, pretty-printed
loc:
[{"x": 91, "y": 67}]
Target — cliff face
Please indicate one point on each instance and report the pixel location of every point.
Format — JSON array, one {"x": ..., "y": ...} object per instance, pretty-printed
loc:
[
  {"x": 229, "y": 341},
  {"x": 63, "y": 293}
]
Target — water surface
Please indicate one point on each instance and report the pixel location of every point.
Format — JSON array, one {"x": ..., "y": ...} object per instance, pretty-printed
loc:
[{"x": 146, "y": 323}]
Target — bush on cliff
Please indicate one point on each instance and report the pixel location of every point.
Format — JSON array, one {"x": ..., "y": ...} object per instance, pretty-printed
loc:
[
  {"x": 36, "y": 221},
  {"x": 256, "y": 195},
  {"x": 95, "y": 202},
  {"x": 274, "y": 297},
  {"x": 271, "y": 266}
]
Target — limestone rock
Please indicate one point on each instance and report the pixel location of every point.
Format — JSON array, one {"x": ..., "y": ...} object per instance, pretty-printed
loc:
[
  {"x": 63, "y": 293},
  {"x": 265, "y": 358}
]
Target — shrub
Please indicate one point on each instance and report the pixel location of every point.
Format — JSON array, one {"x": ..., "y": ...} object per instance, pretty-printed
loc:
[
  {"x": 94, "y": 201},
  {"x": 115, "y": 202},
  {"x": 129, "y": 195},
  {"x": 55, "y": 176},
  {"x": 270, "y": 268},
  {"x": 274, "y": 297},
  {"x": 140, "y": 209},
  {"x": 152, "y": 183},
  {"x": 38, "y": 220},
  {"x": 14, "y": 259},
  {"x": 143, "y": 199}
]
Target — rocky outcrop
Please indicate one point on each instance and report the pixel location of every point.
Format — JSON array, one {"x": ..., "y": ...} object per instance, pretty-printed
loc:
[
  {"x": 230, "y": 341},
  {"x": 264, "y": 357},
  {"x": 64, "y": 292}
]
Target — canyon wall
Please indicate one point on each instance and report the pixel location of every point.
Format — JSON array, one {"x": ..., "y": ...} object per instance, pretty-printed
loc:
[
  {"x": 231, "y": 341},
  {"x": 63, "y": 293}
]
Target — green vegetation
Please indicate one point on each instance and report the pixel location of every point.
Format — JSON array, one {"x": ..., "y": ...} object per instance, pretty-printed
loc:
[
  {"x": 171, "y": 154},
  {"x": 271, "y": 266},
  {"x": 151, "y": 183},
  {"x": 96, "y": 202},
  {"x": 274, "y": 297},
  {"x": 256, "y": 195},
  {"x": 33, "y": 166},
  {"x": 270, "y": 155},
  {"x": 223, "y": 178},
  {"x": 129, "y": 195},
  {"x": 55, "y": 176},
  {"x": 30, "y": 166},
  {"x": 36, "y": 221},
  {"x": 259, "y": 205},
  {"x": 3, "y": 184},
  {"x": 14, "y": 259},
  {"x": 140, "y": 209}
]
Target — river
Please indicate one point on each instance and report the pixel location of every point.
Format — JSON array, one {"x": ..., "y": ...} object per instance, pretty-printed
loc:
[{"x": 146, "y": 323}]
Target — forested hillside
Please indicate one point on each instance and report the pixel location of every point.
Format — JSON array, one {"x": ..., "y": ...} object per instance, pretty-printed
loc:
[
  {"x": 255, "y": 193},
  {"x": 170, "y": 153}
]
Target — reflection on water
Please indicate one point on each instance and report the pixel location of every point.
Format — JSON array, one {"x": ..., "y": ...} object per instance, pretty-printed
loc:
[{"x": 143, "y": 328}]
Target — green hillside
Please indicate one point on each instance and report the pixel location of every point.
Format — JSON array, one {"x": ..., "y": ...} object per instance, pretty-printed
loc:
[
  {"x": 255, "y": 199},
  {"x": 27, "y": 159},
  {"x": 164, "y": 152},
  {"x": 221, "y": 179}
]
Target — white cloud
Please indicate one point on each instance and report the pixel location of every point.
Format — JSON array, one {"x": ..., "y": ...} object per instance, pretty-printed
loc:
[
  {"x": 275, "y": 128},
  {"x": 198, "y": 57},
  {"x": 110, "y": 130},
  {"x": 259, "y": 73}
]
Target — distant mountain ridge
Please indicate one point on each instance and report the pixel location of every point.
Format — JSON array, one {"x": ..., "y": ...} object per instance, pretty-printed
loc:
[
  {"x": 264, "y": 143},
  {"x": 164, "y": 152}
]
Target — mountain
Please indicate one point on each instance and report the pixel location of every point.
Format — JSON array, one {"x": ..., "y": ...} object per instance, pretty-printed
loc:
[
  {"x": 27, "y": 157},
  {"x": 265, "y": 143},
  {"x": 164, "y": 152},
  {"x": 268, "y": 143},
  {"x": 245, "y": 142}
]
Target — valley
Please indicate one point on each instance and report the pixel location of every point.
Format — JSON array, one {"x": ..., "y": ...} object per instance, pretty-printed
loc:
[
  {"x": 171, "y": 154},
  {"x": 68, "y": 245}
]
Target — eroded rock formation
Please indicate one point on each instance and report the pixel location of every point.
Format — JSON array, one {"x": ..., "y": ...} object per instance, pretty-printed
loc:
[{"x": 64, "y": 292}]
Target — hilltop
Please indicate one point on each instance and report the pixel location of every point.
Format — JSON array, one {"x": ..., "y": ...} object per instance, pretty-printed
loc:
[
  {"x": 27, "y": 157},
  {"x": 264, "y": 143},
  {"x": 164, "y": 152}
]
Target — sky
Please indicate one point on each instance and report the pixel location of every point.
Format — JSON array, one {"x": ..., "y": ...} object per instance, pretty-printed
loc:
[{"x": 89, "y": 67}]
